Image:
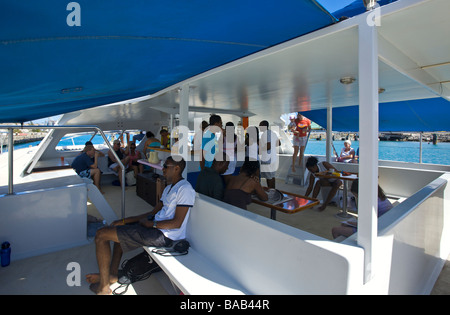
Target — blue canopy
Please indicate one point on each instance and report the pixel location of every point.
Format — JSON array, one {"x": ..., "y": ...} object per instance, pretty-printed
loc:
[
  {"x": 356, "y": 8},
  {"x": 60, "y": 56},
  {"x": 416, "y": 115}
]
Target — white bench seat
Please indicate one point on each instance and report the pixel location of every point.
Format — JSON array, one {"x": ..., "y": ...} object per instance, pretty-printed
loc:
[
  {"x": 235, "y": 252},
  {"x": 195, "y": 274}
]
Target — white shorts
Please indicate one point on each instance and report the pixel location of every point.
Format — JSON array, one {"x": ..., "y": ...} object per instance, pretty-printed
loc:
[
  {"x": 114, "y": 165},
  {"x": 268, "y": 175},
  {"x": 299, "y": 141}
]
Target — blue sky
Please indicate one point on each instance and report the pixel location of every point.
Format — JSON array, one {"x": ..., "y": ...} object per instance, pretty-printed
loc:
[{"x": 333, "y": 5}]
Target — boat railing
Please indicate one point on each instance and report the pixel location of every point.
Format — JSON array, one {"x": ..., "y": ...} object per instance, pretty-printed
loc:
[
  {"x": 10, "y": 129},
  {"x": 416, "y": 230}
]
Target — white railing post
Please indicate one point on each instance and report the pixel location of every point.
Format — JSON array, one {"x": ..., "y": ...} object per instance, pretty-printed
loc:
[{"x": 368, "y": 128}]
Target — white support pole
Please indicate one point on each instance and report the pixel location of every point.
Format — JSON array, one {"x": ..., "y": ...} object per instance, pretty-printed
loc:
[
  {"x": 368, "y": 130},
  {"x": 329, "y": 149},
  {"x": 184, "y": 119},
  {"x": 420, "y": 147},
  {"x": 10, "y": 161}
]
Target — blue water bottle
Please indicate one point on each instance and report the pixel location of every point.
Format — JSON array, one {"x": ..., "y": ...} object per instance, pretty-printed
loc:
[{"x": 5, "y": 254}]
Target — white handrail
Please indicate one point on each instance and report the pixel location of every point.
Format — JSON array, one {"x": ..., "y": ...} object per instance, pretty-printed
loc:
[{"x": 10, "y": 153}]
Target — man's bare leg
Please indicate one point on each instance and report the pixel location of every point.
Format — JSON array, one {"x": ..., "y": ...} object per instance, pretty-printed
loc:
[
  {"x": 331, "y": 194},
  {"x": 113, "y": 269},
  {"x": 96, "y": 175},
  {"x": 103, "y": 253},
  {"x": 294, "y": 156},
  {"x": 316, "y": 189},
  {"x": 300, "y": 160},
  {"x": 118, "y": 170}
]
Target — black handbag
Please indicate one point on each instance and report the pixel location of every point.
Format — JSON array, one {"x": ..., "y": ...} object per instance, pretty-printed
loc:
[{"x": 138, "y": 268}]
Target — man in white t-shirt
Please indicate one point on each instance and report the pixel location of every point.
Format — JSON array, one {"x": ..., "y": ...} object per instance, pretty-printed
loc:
[{"x": 159, "y": 227}]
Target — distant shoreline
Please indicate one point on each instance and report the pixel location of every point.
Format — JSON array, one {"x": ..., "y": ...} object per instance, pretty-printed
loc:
[{"x": 21, "y": 139}]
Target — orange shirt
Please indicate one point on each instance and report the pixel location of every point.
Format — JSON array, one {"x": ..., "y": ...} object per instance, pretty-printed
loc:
[{"x": 302, "y": 126}]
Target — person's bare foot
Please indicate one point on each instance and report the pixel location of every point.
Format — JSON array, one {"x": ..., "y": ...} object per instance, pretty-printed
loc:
[
  {"x": 293, "y": 168},
  {"x": 95, "y": 287},
  {"x": 322, "y": 207},
  {"x": 95, "y": 278}
]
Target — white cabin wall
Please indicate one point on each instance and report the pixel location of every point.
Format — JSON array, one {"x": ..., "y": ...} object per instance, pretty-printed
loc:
[
  {"x": 413, "y": 242},
  {"x": 51, "y": 215}
]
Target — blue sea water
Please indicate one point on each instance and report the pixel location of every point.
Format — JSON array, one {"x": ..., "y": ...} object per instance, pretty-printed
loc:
[
  {"x": 406, "y": 151},
  {"x": 65, "y": 141}
]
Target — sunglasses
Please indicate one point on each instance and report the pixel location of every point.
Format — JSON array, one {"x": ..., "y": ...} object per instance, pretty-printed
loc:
[{"x": 166, "y": 166}]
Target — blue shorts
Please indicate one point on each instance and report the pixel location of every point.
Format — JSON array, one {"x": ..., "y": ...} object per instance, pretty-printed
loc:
[{"x": 85, "y": 173}]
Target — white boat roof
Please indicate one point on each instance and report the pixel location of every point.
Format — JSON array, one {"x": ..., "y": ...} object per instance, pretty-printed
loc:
[{"x": 304, "y": 74}]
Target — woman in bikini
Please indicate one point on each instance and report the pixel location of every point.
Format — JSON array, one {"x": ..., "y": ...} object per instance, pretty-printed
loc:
[
  {"x": 241, "y": 187},
  {"x": 150, "y": 143},
  {"x": 134, "y": 155}
]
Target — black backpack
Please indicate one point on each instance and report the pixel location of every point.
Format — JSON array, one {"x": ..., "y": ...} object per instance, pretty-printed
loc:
[{"x": 138, "y": 268}]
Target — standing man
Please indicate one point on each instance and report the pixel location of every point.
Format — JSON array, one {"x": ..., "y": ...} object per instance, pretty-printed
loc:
[
  {"x": 269, "y": 157},
  {"x": 210, "y": 181},
  {"x": 210, "y": 145},
  {"x": 166, "y": 223},
  {"x": 300, "y": 131},
  {"x": 86, "y": 165}
]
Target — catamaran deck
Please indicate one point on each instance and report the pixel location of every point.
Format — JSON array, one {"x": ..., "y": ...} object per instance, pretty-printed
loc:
[{"x": 47, "y": 274}]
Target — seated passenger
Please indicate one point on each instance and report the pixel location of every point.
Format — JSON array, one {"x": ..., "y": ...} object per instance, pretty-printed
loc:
[
  {"x": 209, "y": 181},
  {"x": 112, "y": 163},
  {"x": 165, "y": 138},
  {"x": 86, "y": 165},
  {"x": 166, "y": 223},
  {"x": 241, "y": 187},
  {"x": 350, "y": 227},
  {"x": 133, "y": 157},
  {"x": 314, "y": 166},
  {"x": 89, "y": 143},
  {"x": 150, "y": 143},
  {"x": 347, "y": 152}
]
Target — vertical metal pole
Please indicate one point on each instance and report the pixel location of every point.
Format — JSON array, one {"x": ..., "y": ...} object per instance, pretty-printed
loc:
[
  {"x": 184, "y": 118},
  {"x": 368, "y": 128},
  {"x": 329, "y": 149},
  {"x": 420, "y": 147},
  {"x": 10, "y": 161},
  {"x": 122, "y": 168},
  {"x": 170, "y": 130}
]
